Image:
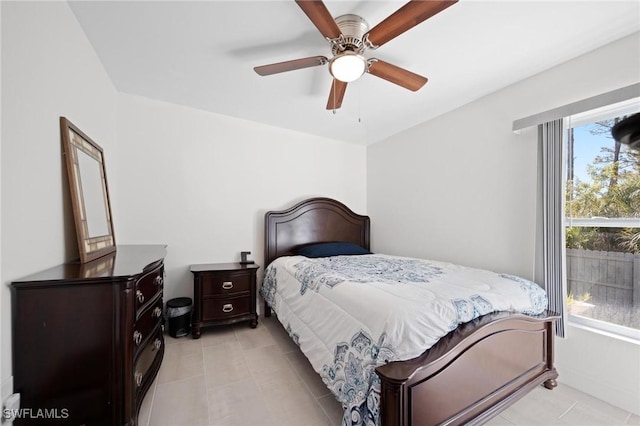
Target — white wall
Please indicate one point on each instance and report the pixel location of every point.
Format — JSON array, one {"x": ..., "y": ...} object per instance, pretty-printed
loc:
[
  {"x": 456, "y": 188},
  {"x": 602, "y": 365},
  {"x": 201, "y": 182},
  {"x": 49, "y": 70},
  {"x": 462, "y": 188}
]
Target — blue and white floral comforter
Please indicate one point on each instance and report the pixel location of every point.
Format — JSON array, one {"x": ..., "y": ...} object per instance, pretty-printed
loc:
[{"x": 350, "y": 314}]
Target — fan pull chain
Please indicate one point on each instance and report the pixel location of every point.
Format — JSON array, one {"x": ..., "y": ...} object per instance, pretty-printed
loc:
[{"x": 359, "y": 103}]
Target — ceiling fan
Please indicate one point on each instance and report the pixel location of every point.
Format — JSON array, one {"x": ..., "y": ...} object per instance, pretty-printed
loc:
[{"x": 349, "y": 36}]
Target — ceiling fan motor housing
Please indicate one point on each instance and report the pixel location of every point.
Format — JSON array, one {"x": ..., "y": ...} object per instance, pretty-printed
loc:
[{"x": 353, "y": 29}]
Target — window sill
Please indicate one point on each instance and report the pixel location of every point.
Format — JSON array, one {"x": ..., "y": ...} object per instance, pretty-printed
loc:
[{"x": 614, "y": 331}]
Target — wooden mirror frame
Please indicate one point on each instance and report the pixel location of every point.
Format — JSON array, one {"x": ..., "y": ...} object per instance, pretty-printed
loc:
[{"x": 75, "y": 143}]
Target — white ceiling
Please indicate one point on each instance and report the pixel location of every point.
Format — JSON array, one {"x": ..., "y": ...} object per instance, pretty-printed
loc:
[{"x": 202, "y": 53}]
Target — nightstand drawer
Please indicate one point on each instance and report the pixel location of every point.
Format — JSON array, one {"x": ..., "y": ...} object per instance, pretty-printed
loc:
[
  {"x": 219, "y": 308},
  {"x": 225, "y": 283}
]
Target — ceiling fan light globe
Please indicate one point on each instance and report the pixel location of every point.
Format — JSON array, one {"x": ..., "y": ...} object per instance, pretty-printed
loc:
[{"x": 347, "y": 66}]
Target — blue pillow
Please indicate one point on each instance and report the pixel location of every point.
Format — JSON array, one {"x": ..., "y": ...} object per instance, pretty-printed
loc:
[{"x": 331, "y": 249}]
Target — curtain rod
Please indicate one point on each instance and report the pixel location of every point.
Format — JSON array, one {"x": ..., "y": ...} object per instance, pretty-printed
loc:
[{"x": 604, "y": 99}]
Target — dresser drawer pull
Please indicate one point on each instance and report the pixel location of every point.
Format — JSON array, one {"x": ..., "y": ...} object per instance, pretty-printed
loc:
[
  {"x": 157, "y": 312},
  {"x": 137, "y": 337},
  {"x": 157, "y": 343},
  {"x": 138, "y": 376},
  {"x": 227, "y": 308},
  {"x": 158, "y": 281},
  {"x": 140, "y": 296},
  {"x": 227, "y": 285}
]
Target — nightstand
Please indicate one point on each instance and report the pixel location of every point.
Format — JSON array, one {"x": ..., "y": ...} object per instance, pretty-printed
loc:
[{"x": 224, "y": 293}]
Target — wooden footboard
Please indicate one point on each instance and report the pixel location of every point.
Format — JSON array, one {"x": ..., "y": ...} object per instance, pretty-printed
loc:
[{"x": 472, "y": 374}]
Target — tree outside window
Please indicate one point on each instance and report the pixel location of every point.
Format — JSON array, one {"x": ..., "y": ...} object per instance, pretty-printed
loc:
[{"x": 603, "y": 225}]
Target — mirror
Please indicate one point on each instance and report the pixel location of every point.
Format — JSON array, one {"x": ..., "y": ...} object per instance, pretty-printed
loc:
[{"x": 89, "y": 193}]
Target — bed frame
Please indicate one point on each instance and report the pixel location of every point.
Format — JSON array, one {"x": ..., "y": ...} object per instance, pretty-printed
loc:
[{"x": 470, "y": 375}]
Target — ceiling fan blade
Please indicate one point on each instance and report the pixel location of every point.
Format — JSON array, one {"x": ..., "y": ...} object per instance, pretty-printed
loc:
[
  {"x": 397, "y": 75},
  {"x": 321, "y": 18},
  {"x": 405, "y": 18},
  {"x": 296, "y": 64},
  {"x": 337, "y": 94}
]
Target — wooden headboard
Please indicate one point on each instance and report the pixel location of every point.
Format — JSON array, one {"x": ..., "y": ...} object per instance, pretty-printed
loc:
[{"x": 316, "y": 220}]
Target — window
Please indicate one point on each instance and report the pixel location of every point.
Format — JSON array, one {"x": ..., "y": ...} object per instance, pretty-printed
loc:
[{"x": 602, "y": 209}]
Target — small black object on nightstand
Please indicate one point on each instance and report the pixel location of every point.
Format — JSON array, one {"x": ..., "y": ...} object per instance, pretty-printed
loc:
[{"x": 244, "y": 260}]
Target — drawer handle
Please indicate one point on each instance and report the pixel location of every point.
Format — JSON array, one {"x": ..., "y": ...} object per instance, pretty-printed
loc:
[
  {"x": 137, "y": 337},
  {"x": 227, "y": 308},
  {"x": 158, "y": 281},
  {"x": 140, "y": 296},
  {"x": 157, "y": 343},
  {"x": 138, "y": 377},
  {"x": 227, "y": 285},
  {"x": 157, "y": 312}
]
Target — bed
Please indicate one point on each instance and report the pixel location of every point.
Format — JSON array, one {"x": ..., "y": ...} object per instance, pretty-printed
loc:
[{"x": 468, "y": 376}]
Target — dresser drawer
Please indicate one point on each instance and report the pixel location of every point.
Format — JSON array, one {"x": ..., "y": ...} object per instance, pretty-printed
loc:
[
  {"x": 227, "y": 307},
  {"x": 152, "y": 349},
  {"x": 225, "y": 283},
  {"x": 148, "y": 286},
  {"x": 147, "y": 322}
]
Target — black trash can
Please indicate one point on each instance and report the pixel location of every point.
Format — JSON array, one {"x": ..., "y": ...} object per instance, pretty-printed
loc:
[{"x": 179, "y": 316}]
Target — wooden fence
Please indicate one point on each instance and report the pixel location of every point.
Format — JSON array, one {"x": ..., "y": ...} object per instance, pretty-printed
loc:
[{"x": 608, "y": 277}]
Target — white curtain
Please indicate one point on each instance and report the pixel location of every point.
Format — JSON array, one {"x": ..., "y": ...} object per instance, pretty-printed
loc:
[{"x": 550, "y": 247}]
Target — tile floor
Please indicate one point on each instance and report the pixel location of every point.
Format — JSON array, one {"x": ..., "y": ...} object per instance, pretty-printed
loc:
[{"x": 242, "y": 376}]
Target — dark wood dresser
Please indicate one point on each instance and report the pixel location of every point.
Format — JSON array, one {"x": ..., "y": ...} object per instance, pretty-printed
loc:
[
  {"x": 224, "y": 293},
  {"x": 88, "y": 338}
]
